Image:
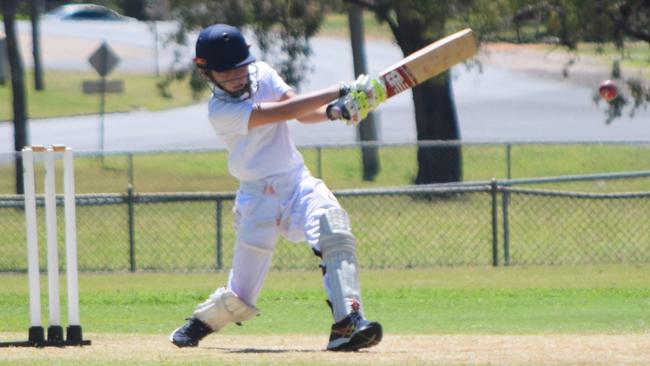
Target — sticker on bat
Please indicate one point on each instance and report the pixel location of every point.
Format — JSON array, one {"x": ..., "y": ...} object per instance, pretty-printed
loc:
[{"x": 398, "y": 80}]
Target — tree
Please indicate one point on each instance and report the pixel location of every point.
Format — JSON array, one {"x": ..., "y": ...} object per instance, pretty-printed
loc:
[
  {"x": 600, "y": 22},
  {"x": 36, "y": 8},
  {"x": 292, "y": 22},
  {"x": 17, "y": 86},
  {"x": 415, "y": 24}
]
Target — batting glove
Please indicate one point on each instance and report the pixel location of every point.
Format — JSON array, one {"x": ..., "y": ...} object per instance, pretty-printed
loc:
[
  {"x": 373, "y": 88},
  {"x": 352, "y": 108}
]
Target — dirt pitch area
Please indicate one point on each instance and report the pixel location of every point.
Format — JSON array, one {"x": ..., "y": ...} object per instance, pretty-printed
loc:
[{"x": 626, "y": 349}]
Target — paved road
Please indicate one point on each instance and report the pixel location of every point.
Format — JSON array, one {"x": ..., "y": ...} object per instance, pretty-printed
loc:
[{"x": 494, "y": 105}]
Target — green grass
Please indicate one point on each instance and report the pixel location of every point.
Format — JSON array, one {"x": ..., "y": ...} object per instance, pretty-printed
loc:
[
  {"x": 398, "y": 231},
  {"x": 518, "y": 300},
  {"x": 63, "y": 95},
  {"x": 341, "y": 168},
  {"x": 392, "y": 232},
  {"x": 635, "y": 56},
  {"x": 634, "y": 59}
]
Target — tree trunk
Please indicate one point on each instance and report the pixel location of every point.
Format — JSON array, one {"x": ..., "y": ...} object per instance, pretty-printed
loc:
[
  {"x": 17, "y": 88},
  {"x": 435, "y": 116},
  {"x": 36, "y": 9},
  {"x": 134, "y": 8},
  {"x": 435, "y": 112}
]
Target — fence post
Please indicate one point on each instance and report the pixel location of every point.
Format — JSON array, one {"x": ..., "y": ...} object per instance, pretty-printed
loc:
[
  {"x": 509, "y": 161},
  {"x": 506, "y": 227},
  {"x": 219, "y": 235},
  {"x": 130, "y": 199},
  {"x": 130, "y": 169},
  {"x": 494, "y": 193}
]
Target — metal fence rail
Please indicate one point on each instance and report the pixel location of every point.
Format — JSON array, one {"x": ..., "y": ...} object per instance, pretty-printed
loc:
[{"x": 479, "y": 223}]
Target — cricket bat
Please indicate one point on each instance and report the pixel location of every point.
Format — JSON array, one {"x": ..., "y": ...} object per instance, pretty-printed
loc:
[
  {"x": 428, "y": 62},
  {"x": 422, "y": 65}
]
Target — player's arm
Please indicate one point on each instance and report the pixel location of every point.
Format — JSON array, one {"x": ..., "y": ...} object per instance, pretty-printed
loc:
[
  {"x": 362, "y": 96},
  {"x": 355, "y": 101},
  {"x": 292, "y": 106},
  {"x": 319, "y": 115}
]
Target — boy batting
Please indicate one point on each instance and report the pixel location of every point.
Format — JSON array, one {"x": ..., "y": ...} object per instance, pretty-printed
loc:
[{"x": 277, "y": 195}]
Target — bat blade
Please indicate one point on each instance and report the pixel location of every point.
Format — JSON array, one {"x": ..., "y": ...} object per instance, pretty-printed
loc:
[{"x": 429, "y": 61}]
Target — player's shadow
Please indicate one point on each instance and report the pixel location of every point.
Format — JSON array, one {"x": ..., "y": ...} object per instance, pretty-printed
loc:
[{"x": 265, "y": 350}]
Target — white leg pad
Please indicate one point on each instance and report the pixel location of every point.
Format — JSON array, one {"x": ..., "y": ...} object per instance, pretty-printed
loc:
[
  {"x": 224, "y": 307},
  {"x": 337, "y": 245}
]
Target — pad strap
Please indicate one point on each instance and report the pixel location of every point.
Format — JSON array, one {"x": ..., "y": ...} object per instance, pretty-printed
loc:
[{"x": 224, "y": 307}]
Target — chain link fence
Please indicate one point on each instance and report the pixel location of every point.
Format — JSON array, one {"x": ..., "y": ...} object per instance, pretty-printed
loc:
[
  {"x": 549, "y": 227},
  {"x": 480, "y": 223}
]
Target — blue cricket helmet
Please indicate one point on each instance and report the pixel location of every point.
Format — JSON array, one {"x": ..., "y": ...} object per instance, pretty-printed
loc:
[{"x": 221, "y": 47}]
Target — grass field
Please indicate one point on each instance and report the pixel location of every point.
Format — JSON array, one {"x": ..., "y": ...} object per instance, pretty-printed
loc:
[
  {"x": 447, "y": 308},
  {"x": 454, "y": 231},
  {"x": 341, "y": 168},
  {"x": 634, "y": 58},
  {"x": 393, "y": 232},
  {"x": 63, "y": 95},
  {"x": 337, "y": 25},
  {"x": 479, "y": 315}
]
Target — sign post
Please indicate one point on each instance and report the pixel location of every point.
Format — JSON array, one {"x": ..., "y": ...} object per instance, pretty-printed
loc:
[{"x": 103, "y": 60}]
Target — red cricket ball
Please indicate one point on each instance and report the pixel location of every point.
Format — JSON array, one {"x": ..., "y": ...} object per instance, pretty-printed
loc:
[{"x": 608, "y": 90}]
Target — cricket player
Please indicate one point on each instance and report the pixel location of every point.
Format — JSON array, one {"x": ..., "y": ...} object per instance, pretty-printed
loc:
[{"x": 277, "y": 195}]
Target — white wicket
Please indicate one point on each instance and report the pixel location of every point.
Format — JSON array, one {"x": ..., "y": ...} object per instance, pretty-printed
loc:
[{"x": 55, "y": 332}]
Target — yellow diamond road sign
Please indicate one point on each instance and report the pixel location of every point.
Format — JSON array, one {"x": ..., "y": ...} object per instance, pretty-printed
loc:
[{"x": 104, "y": 60}]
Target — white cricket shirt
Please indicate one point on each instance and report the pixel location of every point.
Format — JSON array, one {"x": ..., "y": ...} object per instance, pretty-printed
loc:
[{"x": 261, "y": 151}]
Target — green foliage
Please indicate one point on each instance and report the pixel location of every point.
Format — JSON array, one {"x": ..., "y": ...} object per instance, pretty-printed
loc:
[
  {"x": 282, "y": 29},
  {"x": 569, "y": 22},
  {"x": 486, "y": 18},
  {"x": 421, "y": 19}
]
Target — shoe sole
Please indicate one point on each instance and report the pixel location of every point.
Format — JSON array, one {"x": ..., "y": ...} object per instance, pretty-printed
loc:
[{"x": 364, "y": 338}]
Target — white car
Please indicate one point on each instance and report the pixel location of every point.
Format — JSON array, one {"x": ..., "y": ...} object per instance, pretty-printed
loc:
[{"x": 85, "y": 12}]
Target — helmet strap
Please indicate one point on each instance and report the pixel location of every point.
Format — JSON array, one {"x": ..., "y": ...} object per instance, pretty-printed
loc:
[
  {"x": 237, "y": 95},
  {"x": 243, "y": 94}
]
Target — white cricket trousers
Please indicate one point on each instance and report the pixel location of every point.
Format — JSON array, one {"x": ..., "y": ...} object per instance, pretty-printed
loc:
[{"x": 290, "y": 205}]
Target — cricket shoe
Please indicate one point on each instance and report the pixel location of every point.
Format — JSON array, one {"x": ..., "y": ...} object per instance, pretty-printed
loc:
[
  {"x": 353, "y": 333},
  {"x": 190, "y": 333}
]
